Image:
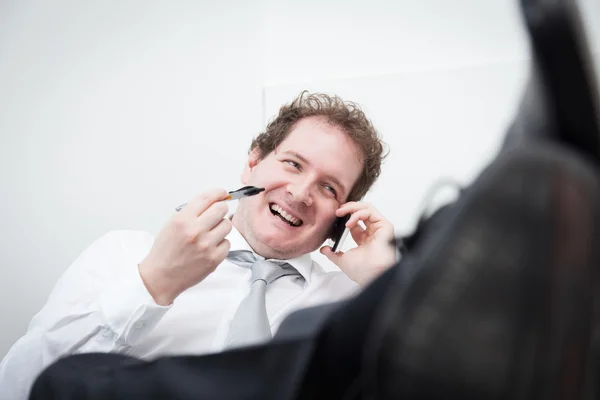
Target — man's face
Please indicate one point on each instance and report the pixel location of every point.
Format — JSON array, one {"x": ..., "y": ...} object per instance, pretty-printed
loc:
[{"x": 306, "y": 179}]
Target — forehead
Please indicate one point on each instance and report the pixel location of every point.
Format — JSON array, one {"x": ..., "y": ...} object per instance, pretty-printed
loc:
[{"x": 326, "y": 147}]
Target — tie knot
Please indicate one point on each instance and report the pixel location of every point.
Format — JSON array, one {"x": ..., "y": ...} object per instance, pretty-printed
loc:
[
  {"x": 265, "y": 270},
  {"x": 268, "y": 271}
]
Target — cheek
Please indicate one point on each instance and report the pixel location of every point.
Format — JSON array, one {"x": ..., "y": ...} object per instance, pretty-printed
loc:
[
  {"x": 255, "y": 202},
  {"x": 269, "y": 176},
  {"x": 326, "y": 220},
  {"x": 249, "y": 208}
]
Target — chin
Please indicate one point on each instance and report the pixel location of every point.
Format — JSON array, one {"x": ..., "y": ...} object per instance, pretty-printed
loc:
[
  {"x": 270, "y": 246},
  {"x": 273, "y": 240}
]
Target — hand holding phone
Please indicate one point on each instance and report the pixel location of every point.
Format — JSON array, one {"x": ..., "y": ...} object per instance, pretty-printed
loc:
[{"x": 374, "y": 251}]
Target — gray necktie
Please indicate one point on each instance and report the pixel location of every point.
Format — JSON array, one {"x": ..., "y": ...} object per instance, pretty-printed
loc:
[{"x": 250, "y": 324}]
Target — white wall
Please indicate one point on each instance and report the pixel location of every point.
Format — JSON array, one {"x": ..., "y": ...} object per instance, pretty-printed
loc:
[
  {"x": 440, "y": 80},
  {"x": 115, "y": 112},
  {"x": 438, "y": 124},
  {"x": 313, "y": 40}
]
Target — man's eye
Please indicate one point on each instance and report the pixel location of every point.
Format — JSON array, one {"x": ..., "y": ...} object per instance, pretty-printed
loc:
[
  {"x": 293, "y": 164},
  {"x": 331, "y": 189}
]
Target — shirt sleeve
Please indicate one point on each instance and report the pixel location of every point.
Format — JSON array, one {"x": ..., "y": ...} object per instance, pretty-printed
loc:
[{"x": 100, "y": 304}]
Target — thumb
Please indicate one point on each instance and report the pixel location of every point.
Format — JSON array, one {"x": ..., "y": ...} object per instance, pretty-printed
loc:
[{"x": 327, "y": 251}]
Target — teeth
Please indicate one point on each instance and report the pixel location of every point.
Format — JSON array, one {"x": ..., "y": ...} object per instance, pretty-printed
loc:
[{"x": 281, "y": 211}]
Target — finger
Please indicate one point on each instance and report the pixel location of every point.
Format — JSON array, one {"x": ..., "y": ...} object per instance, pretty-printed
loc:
[
  {"x": 368, "y": 215},
  {"x": 358, "y": 234},
  {"x": 216, "y": 235},
  {"x": 203, "y": 201},
  {"x": 221, "y": 250},
  {"x": 333, "y": 257},
  {"x": 351, "y": 207},
  {"x": 362, "y": 215},
  {"x": 213, "y": 215}
]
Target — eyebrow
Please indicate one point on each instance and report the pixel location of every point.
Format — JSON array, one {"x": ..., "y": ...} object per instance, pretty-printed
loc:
[{"x": 333, "y": 179}]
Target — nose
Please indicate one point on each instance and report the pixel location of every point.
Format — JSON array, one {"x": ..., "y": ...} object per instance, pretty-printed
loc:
[{"x": 300, "y": 191}]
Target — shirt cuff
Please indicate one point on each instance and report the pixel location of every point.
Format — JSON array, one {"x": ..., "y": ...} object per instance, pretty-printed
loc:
[{"x": 128, "y": 310}]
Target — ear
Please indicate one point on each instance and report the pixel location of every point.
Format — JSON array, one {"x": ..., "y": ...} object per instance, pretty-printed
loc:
[{"x": 253, "y": 159}]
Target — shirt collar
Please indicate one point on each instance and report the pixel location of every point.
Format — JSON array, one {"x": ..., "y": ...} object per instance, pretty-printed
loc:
[{"x": 303, "y": 263}]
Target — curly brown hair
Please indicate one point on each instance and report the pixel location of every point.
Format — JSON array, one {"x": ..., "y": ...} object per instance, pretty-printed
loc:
[{"x": 345, "y": 115}]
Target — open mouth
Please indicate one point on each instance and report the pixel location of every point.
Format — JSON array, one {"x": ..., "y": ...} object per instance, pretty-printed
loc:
[{"x": 280, "y": 212}]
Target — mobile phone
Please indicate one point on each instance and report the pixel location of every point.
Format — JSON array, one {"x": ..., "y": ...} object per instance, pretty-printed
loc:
[{"x": 339, "y": 232}]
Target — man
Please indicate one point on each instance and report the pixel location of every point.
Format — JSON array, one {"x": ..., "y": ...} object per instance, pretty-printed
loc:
[
  {"x": 496, "y": 300},
  {"x": 178, "y": 293}
]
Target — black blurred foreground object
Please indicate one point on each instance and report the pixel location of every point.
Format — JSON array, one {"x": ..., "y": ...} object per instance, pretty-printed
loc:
[{"x": 496, "y": 302}]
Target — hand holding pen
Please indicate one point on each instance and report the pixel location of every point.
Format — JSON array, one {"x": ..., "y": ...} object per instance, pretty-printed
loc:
[{"x": 190, "y": 245}]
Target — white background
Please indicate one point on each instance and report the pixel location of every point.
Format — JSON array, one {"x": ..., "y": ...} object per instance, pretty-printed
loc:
[{"x": 114, "y": 112}]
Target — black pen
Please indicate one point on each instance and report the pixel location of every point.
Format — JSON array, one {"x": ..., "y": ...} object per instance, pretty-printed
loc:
[{"x": 246, "y": 191}]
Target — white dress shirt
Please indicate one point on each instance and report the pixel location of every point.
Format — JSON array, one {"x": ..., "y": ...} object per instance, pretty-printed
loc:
[{"x": 100, "y": 304}]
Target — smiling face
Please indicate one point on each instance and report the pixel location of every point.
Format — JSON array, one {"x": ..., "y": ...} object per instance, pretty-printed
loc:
[{"x": 306, "y": 179}]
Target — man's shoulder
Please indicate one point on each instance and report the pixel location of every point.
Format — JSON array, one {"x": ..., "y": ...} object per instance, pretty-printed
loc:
[
  {"x": 129, "y": 241},
  {"x": 127, "y": 235},
  {"x": 110, "y": 254}
]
